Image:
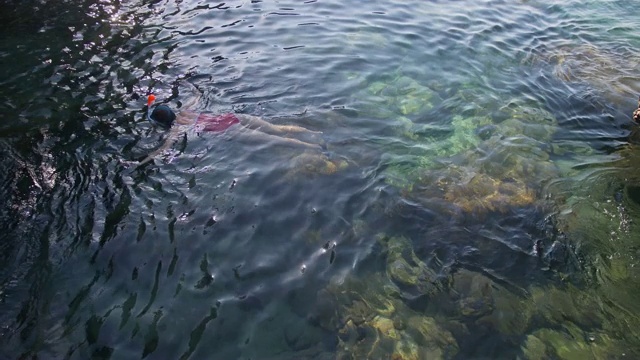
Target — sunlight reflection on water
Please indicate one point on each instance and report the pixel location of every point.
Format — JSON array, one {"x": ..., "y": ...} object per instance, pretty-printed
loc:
[{"x": 471, "y": 194}]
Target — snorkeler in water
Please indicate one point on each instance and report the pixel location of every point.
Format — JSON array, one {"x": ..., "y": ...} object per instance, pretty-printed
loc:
[
  {"x": 241, "y": 126},
  {"x": 636, "y": 113}
]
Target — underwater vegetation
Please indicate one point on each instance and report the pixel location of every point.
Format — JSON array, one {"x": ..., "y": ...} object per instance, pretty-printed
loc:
[
  {"x": 470, "y": 155},
  {"x": 373, "y": 321},
  {"x": 409, "y": 311},
  {"x": 484, "y": 165},
  {"x": 612, "y": 72},
  {"x": 310, "y": 164}
]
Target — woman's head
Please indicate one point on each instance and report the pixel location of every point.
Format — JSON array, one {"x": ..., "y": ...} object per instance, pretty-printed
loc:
[{"x": 162, "y": 115}]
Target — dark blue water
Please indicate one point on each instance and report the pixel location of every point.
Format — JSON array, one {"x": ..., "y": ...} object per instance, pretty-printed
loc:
[{"x": 476, "y": 197}]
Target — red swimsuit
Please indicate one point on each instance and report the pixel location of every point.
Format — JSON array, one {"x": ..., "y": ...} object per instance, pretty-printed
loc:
[{"x": 215, "y": 123}]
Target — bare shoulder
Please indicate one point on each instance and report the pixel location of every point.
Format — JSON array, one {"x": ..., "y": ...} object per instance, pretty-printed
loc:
[{"x": 186, "y": 117}]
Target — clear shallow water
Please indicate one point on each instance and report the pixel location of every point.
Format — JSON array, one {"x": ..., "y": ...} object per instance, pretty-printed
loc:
[{"x": 472, "y": 130}]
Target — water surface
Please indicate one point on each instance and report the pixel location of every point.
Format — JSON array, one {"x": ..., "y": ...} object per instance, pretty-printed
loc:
[{"x": 479, "y": 178}]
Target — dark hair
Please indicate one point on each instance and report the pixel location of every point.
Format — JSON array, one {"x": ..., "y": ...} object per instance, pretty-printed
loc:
[{"x": 163, "y": 116}]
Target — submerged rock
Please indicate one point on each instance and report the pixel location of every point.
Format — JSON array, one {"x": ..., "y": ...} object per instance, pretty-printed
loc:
[
  {"x": 397, "y": 100},
  {"x": 609, "y": 71},
  {"x": 489, "y": 305},
  {"x": 403, "y": 94},
  {"x": 371, "y": 318},
  {"x": 472, "y": 293},
  {"x": 483, "y": 193},
  {"x": 412, "y": 276},
  {"x": 509, "y": 144},
  {"x": 376, "y": 324},
  {"x": 374, "y": 316},
  {"x": 502, "y": 169},
  {"x": 570, "y": 343},
  {"x": 554, "y": 306},
  {"x": 312, "y": 164}
]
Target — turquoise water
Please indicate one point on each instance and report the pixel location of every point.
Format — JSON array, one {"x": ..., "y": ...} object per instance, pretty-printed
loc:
[{"x": 477, "y": 197}]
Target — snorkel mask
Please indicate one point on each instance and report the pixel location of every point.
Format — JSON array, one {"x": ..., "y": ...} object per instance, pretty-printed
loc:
[{"x": 161, "y": 116}]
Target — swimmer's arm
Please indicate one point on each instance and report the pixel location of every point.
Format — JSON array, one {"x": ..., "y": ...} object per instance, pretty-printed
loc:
[{"x": 171, "y": 139}]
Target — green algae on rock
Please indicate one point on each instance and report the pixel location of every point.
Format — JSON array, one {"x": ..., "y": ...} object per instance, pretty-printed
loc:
[
  {"x": 314, "y": 164},
  {"x": 488, "y": 167},
  {"x": 479, "y": 299},
  {"x": 570, "y": 343},
  {"x": 484, "y": 193},
  {"x": 376, "y": 324},
  {"x": 396, "y": 97},
  {"x": 408, "y": 272}
]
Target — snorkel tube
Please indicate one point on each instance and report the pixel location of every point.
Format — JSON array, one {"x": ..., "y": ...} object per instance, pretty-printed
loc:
[{"x": 150, "y": 101}]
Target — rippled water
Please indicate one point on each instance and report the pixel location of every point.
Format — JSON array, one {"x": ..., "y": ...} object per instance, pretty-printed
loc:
[{"x": 478, "y": 197}]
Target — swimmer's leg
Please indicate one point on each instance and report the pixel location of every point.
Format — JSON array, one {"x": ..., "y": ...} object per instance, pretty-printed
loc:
[
  {"x": 256, "y": 123},
  {"x": 254, "y": 136}
]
